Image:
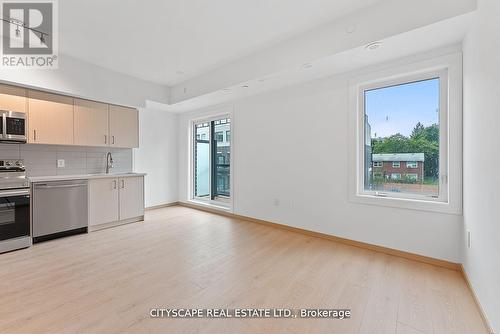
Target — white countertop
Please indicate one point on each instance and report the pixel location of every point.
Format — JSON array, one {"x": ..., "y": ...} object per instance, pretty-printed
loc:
[{"x": 81, "y": 177}]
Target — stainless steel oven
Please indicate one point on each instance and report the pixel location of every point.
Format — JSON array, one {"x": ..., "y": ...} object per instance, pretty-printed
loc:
[
  {"x": 14, "y": 219},
  {"x": 13, "y": 126},
  {"x": 15, "y": 224}
]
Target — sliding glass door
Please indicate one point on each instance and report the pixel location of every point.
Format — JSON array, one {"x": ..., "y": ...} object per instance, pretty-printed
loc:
[
  {"x": 202, "y": 160},
  {"x": 212, "y": 159}
]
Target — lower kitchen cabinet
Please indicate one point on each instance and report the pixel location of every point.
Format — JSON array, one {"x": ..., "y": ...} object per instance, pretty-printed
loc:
[
  {"x": 131, "y": 197},
  {"x": 103, "y": 201},
  {"x": 113, "y": 201}
]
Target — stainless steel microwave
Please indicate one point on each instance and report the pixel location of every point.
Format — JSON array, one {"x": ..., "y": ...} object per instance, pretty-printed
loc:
[{"x": 13, "y": 127}]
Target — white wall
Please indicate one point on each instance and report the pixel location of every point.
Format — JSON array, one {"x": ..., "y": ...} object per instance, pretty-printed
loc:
[
  {"x": 291, "y": 145},
  {"x": 81, "y": 79},
  {"x": 482, "y": 157},
  {"x": 157, "y": 155}
]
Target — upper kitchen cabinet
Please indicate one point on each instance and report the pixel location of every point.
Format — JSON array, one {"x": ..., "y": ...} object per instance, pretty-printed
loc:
[
  {"x": 50, "y": 118},
  {"x": 13, "y": 98},
  {"x": 91, "y": 123},
  {"x": 123, "y": 127}
]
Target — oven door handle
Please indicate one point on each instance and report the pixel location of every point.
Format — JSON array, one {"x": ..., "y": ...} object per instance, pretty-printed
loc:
[
  {"x": 8, "y": 193},
  {"x": 44, "y": 186}
]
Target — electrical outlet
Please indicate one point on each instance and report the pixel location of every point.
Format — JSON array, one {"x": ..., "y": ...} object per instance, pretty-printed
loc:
[
  {"x": 60, "y": 163},
  {"x": 468, "y": 239},
  {"x": 276, "y": 202}
]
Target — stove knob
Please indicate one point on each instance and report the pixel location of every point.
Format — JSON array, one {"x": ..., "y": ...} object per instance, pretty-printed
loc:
[
  {"x": 19, "y": 164},
  {"x": 8, "y": 163}
]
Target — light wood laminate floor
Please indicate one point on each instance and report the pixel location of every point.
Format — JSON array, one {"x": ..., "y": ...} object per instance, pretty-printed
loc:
[{"x": 107, "y": 281}]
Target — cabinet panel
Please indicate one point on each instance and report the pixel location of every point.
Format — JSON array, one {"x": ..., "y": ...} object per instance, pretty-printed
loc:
[
  {"x": 13, "y": 98},
  {"x": 131, "y": 197},
  {"x": 103, "y": 201},
  {"x": 50, "y": 118},
  {"x": 123, "y": 126},
  {"x": 91, "y": 123}
]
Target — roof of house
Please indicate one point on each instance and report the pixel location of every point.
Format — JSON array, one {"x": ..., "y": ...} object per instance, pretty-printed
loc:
[{"x": 399, "y": 157}]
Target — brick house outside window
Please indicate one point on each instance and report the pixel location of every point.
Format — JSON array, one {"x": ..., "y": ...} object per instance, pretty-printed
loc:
[{"x": 399, "y": 166}]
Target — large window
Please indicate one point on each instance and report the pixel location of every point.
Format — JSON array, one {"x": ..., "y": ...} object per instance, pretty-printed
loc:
[
  {"x": 409, "y": 113},
  {"x": 211, "y": 160},
  {"x": 402, "y": 128}
]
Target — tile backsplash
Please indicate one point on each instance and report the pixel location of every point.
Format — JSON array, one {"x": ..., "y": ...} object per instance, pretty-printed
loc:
[{"x": 41, "y": 160}]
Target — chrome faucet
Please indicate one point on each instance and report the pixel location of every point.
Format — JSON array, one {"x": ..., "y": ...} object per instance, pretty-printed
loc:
[{"x": 109, "y": 162}]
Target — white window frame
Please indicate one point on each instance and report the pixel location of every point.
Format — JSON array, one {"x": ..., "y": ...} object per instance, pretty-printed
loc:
[
  {"x": 410, "y": 164},
  {"x": 415, "y": 174},
  {"x": 442, "y": 75},
  {"x": 396, "y": 178},
  {"x": 225, "y": 206},
  {"x": 448, "y": 68}
]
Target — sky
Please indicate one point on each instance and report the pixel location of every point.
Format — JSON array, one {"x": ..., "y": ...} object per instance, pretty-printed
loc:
[{"x": 397, "y": 109}]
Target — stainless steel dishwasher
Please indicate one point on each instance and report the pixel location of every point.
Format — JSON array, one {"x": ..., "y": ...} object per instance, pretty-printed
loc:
[{"x": 60, "y": 208}]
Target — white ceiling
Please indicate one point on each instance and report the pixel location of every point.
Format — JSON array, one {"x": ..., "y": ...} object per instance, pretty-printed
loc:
[
  {"x": 169, "y": 41},
  {"x": 436, "y": 39}
]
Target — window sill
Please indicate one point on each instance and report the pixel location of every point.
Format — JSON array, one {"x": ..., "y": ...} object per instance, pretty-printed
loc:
[
  {"x": 406, "y": 203},
  {"x": 212, "y": 205}
]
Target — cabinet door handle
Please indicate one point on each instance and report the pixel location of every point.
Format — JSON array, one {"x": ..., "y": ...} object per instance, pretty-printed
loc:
[
  {"x": 105, "y": 139},
  {"x": 113, "y": 138},
  {"x": 114, "y": 184},
  {"x": 34, "y": 135},
  {"x": 123, "y": 184}
]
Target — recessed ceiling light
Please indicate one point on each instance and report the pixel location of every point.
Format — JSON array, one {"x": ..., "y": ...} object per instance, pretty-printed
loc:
[
  {"x": 226, "y": 90},
  {"x": 244, "y": 86},
  {"x": 307, "y": 65},
  {"x": 373, "y": 46}
]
